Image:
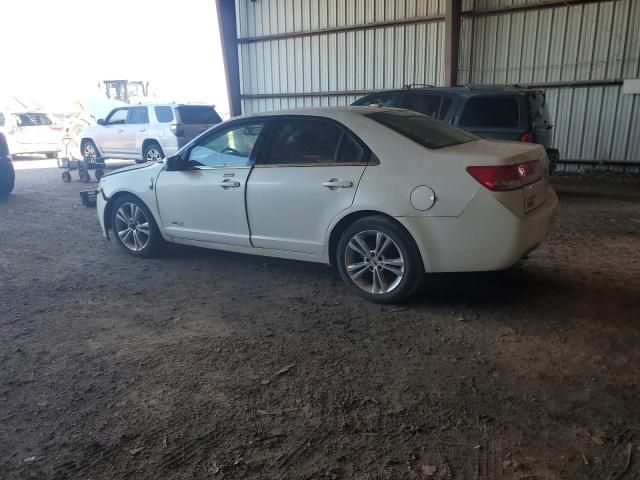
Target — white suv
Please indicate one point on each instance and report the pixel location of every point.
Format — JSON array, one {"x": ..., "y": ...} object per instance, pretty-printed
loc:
[
  {"x": 31, "y": 132},
  {"x": 146, "y": 132}
]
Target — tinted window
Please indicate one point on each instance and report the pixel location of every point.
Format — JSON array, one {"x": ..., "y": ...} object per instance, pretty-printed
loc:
[
  {"x": 198, "y": 115},
  {"x": 303, "y": 141},
  {"x": 422, "y": 129},
  {"x": 138, "y": 115},
  {"x": 118, "y": 117},
  {"x": 350, "y": 151},
  {"x": 33, "y": 119},
  {"x": 491, "y": 111},
  {"x": 229, "y": 148},
  {"x": 383, "y": 100},
  {"x": 164, "y": 114},
  {"x": 435, "y": 106}
]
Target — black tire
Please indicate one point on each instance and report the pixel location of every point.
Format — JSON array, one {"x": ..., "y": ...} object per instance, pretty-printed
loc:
[
  {"x": 152, "y": 152},
  {"x": 154, "y": 241},
  {"x": 397, "y": 267},
  {"x": 84, "y": 176},
  {"x": 89, "y": 151},
  {"x": 52, "y": 155},
  {"x": 6, "y": 186},
  {"x": 66, "y": 177}
]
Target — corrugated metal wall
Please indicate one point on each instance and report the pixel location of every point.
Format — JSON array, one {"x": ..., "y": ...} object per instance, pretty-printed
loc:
[{"x": 594, "y": 41}]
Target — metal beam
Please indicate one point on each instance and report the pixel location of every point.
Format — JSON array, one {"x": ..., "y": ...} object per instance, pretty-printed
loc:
[
  {"x": 451, "y": 41},
  {"x": 350, "y": 28},
  {"x": 530, "y": 6},
  {"x": 228, "y": 39}
]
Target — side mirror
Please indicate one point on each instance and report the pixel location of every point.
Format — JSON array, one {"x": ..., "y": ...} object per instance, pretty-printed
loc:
[
  {"x": 101, "y": 121},
  {"x": 176, "y": 163}
]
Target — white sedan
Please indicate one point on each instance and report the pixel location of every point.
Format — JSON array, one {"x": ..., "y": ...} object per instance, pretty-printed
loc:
[{"x": 384, "y": 195}]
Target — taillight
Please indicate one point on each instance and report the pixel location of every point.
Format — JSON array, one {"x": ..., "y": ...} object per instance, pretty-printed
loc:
[
  {"x": 527, "y": 137},
  {"x": 177, "y": 129},
  {"x": 500, "y": 178}
]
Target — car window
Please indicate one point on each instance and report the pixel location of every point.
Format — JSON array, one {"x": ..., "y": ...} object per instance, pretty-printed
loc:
[
  {"x": 382, "y": 100},
  {"x": 229, "y": 148},
  {"x": 32, "y": 119},
  {"x": 118, "y": 117},
  {"x": 435, "y": 106},
  {"x": 138, "y": 115},
  {"x": 491, "y": 111},
  {"x": 421, "y": 129},
  {"x": 164, "y": 114},
  {"x": 350, "y": 150},
  {"x": 198, "y": 115},
  {"x": 303, "y": 141},
  {"x": 2, "y": 120}
]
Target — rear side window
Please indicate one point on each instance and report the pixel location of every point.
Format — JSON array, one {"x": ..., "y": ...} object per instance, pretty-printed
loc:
[
  {"x": 435, "y": 106},
  {"x": 382, "y": 100},
  {"x": 303, "y": 141},
  {"x": 350, "y": 150},
  {"x": 33, "y": 119},
  {"x": 198, "y": 115},
  {"x": 138, "y": 115},
  {"x": 421, "y": 129},
  {"x": 491, "y": 111},
  {"x": 164, "y": 114}
]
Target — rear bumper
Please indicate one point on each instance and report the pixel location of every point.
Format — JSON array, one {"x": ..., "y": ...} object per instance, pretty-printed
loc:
[{"x": 487, "y": 236}]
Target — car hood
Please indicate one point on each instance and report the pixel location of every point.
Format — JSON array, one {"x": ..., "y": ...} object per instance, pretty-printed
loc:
[{"x": 133, "y": 167}]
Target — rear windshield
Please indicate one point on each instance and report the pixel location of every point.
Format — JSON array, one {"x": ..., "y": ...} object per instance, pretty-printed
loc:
[
  {"x": 198, "y": 115},
  {"x": 421, "y": 129},
  {"x": 33, "y": 119},
  {"x": 491, "y": 111}
]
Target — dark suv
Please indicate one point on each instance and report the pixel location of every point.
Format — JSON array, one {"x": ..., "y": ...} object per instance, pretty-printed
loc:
[
  {"x": 503, "y": 113},
  {"x": 7, "y": 175}
]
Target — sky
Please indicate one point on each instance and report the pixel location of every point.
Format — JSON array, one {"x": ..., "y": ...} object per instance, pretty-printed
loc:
[{"x": 57, "y": 51}]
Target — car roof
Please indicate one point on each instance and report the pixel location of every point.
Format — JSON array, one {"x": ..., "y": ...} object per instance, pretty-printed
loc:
[
  {"x": 167, "y": 104},
  {"x": 335, "y": 113},
  {"x": 466, "y": 90}
]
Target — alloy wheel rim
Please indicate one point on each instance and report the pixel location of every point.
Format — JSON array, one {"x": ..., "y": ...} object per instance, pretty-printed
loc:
[
  {"x": 374, "y": 262},
  {"x": 153, "y": 155},
  {"x": 132, "y": 226},
  {"x": 89, "y": 151}
]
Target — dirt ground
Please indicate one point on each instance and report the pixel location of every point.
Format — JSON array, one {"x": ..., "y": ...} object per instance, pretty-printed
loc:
[{"x": 203, "y": 364}]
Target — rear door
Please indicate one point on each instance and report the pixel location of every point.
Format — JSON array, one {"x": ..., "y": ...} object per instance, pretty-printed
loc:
[
  {"x": 192, "y": 120},
  {"x": 306, "y": 174},
  {"x": 135, "y": 130},
  {"x": 500, "y": 117}
]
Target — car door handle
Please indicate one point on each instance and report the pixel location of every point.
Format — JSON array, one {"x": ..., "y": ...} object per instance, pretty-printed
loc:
[
  {"x": 334, "y": 184},
  {"x": 228, "y": 183}
]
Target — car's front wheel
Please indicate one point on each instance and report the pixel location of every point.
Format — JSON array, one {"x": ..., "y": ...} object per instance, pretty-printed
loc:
[
  {"x": 134, "y": 227},
  {"x": 378, "y": 260}
]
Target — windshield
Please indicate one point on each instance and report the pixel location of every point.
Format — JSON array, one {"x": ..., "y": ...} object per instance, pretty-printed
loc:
[
  {"x": 198, "y": 115},
  {"x": 421, "y": 129}
]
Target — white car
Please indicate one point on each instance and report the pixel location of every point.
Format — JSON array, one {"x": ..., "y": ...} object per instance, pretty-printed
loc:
[
  {"x": 382, "y": 194},
  {"x": 31, "y": 132},
  {"x": 146, "y": 133}
]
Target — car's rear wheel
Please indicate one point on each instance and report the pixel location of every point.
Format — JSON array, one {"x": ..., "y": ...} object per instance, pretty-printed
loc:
[
  {"x": 378, "y": 260},
  {"x": 134, "y": 227},
  {"x": 6, "y": 186},
  {"x": 151, "y": 153}
]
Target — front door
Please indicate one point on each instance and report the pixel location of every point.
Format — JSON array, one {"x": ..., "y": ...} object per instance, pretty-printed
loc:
[
  {"x": 206, "y": 201},
  {"x": 135, "y": 130},
  {"x": 109, "y": 138},
  {"x": 306, "y": 174}
]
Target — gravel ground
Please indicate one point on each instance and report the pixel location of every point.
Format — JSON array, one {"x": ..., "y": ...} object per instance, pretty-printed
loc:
[{"x": 204, "y": 364}]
